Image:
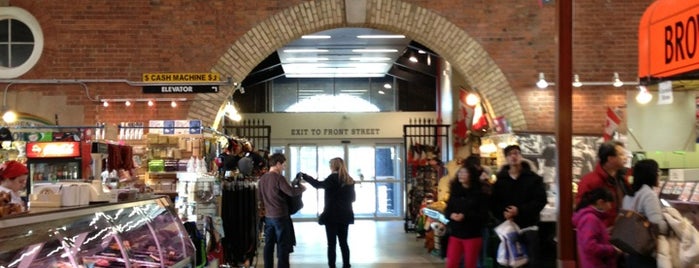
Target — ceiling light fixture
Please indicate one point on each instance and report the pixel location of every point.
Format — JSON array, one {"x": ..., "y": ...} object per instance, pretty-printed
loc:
[
  {"x": 310, "y": 59},
  {"x": 576, "y": 81},
  {"x": 173, "y": 104},
  {"x": 472, "y": 99},
  {"x": 9, "y": 116},
  {"x": 420, "y": 51},
  {"x": 617, "y": 82},
  {"x": 150, "y": 103},
  {"x": 315, "y": 37},
  {"x": 412, "y": 59},
  {"x": 378, "y": 50},
  {"x": 387, "y": 86},
  {"x": 127, "y": 103},
  {"x": 381, "y": 36},
  {"x": 542, "y": 81},
  {"x": 365, "y": 59},
  {"x": 643, "y": 96},
  {"x": 381, "y": 92},
  {"x": 301, "y": 50},
  {"x": 105, "y": 104}
]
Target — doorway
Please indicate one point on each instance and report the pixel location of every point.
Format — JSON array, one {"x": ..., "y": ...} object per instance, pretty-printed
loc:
[{"x": 376, "y": 169}]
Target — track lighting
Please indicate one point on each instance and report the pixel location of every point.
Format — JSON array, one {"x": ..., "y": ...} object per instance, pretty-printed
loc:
[
  {"x": 576, "y": 81},
  {"x": 542, "y": 82},
  {"x": 127, "y": 103},
  {"x": 616, "y": 82},
  {"x": 643, "y": 95},
  {"x": 173, "y": 104},
  {"x": 105, "y": 104},
  {"x": 150, "y": 103}
]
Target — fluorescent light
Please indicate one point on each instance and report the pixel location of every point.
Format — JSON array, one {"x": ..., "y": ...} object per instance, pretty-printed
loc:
[
  {"x": 375, "y": 50},
  {"x": 381, "y": 36},
  {"x": 315, "y": 37},
  {"x": 330, "y": 75},
  {"x": 371, "y": 59},
  {"x": 311, "y": 59},
  {"x": 305, "y": 50}
]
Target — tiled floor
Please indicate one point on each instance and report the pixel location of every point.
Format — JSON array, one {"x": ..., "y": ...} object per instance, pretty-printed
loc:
[{"x": 372, "y": 244}]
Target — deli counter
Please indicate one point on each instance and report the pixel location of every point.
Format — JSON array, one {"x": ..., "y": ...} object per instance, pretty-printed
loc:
[{"x": 142, "y": 233}]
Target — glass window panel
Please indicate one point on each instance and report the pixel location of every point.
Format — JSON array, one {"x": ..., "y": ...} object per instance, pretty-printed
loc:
[
  {"x": 357, "y": 87},
  {"x": 381, "y": 96},
  {"x": 4, "y": 55},
  {"x": 53, "y": 254},
  {"x": 389, "y": 198},
  {"x": 283, "y": 93},
  {"x": 366, "y": 199},
  {"x": 20, "y": 54},
  {"x": 361, "y": 164},
  {"x": 4, "y": 31},
  {"x": 303, "y": 159},
  {"x": 20, "y": 32},
  {"x": 314, "y": 86},
  {"x": 385, "y": 162}
]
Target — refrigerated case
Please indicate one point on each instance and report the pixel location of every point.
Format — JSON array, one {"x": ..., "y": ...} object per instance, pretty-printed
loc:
[
  {"x": 144, "y": 233},
  {"x": 53, "y": 161}
]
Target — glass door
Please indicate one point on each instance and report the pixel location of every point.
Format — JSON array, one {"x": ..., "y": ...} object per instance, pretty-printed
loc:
[{"x": 375, "y": 168}]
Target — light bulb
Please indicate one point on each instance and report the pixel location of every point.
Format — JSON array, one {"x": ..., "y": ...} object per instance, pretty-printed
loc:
[
  {"x": 127, "y": 103},
  {"x": 576, "y": 81},
  {"x": 173, "y": 104},
  {"x": 150, "y": 103},
  {"x": 472, "y": 99},
  {"x": 617, "y": 81},
  {"x": 105, "y": 104},
  {"x": 643, "y": 96},
  {"x": 413, "y": 59},
  {"x": 387, "y": 86},
  {"x": 542, "y": 82},
  {"x": 9, "y": 117}
]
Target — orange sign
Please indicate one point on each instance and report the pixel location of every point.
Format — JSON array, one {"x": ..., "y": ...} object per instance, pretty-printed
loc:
[
  {"x": 53, "y": 149},
  {"x": 668, "y": 39}
]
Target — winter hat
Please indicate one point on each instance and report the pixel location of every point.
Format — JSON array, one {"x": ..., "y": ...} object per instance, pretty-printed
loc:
[{"x": 13, "y": 169}]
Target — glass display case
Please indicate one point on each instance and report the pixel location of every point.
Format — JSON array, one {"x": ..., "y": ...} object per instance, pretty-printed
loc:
[{"x": 144, "y": 233}]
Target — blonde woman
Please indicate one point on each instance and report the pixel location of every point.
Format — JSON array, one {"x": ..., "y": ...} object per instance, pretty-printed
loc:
[{"x": 337, "y": 214}]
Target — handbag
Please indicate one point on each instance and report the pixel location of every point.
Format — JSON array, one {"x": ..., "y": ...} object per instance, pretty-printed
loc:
[
  {"x": 633, "y": 233},
  {"x": 295, "y": 203}
]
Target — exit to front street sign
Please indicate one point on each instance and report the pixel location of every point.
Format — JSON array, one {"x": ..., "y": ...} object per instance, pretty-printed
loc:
[{"x": 180, "y": 89}]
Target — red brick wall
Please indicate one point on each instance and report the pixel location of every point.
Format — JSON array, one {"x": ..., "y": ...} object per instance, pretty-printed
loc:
[{"x": 88, "y": 39}]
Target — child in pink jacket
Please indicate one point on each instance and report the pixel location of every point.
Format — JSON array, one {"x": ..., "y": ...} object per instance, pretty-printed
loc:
[{"x": 594, "y": 249}]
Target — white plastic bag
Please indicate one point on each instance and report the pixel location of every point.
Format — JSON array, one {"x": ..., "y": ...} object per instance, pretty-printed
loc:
[{"x": 511, "y": 252}]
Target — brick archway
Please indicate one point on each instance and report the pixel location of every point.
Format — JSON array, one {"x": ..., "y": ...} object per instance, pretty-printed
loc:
[{"x": 428, "y": 28}]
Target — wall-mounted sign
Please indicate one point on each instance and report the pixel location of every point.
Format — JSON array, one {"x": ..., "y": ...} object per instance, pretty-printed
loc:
[
  {"x": 181, "y": 77},
  {"x": 179, "y": 89},
  {"x": 53, "y": 149},
  {"x": 174, "y": 127}
]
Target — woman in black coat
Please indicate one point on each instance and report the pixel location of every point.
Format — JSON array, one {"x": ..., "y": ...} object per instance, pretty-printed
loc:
[
  {"x": 467, "y": 211},
  {"x": 337, "y": 214}
]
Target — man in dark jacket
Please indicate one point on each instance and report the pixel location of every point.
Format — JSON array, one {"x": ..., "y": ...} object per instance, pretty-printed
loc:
[{"x": 519, "y": 194}]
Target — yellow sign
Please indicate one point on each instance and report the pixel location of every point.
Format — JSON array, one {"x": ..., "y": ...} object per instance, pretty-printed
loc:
[{"x": 181, "y": 77}]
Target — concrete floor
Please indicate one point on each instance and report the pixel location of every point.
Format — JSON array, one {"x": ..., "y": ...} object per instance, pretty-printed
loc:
[{"x": 382, "y": 244}]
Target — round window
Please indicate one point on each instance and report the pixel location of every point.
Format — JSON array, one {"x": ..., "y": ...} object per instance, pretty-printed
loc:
[{"x": 21, "y": 42}]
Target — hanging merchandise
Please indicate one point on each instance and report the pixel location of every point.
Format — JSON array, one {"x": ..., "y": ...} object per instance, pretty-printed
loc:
[
  {"x": 423, "y": 168},
  {"x": 240, "y": 215}
]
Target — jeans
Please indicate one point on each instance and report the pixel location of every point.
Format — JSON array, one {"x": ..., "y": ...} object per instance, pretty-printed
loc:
[
  {"x": 334, "y": 232},
  {"x": 277, "y": 232}
]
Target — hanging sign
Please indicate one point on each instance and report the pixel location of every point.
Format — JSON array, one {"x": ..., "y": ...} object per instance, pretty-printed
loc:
[
  {"x": 180, "y": 89},
  {"x": 180, "y": 77},
  {"x": 665, "y": 93},
  {"x": 668, "y": 39}
]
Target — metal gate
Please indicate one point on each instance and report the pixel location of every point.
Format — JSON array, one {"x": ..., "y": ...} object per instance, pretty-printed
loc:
[{"x": 254, "y": 130}]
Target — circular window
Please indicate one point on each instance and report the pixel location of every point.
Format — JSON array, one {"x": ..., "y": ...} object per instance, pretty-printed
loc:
[{"x": 21, "y": 42}]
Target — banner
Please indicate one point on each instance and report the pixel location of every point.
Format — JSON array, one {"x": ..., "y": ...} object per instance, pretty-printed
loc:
[{"x": 611, "y": 125}]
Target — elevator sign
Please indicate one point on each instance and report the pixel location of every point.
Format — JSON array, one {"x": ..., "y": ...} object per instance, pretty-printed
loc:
[
  {"x": 180, "y": 89},
  {"x": 181, "y": 77}
]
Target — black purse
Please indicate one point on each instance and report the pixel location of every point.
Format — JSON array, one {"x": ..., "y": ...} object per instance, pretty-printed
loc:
[{"x": 295, "y": 203}]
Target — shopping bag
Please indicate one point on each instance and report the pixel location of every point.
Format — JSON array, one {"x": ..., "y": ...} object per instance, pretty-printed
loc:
[
  {"x": 634, "y": 234},
  {"x": 511, "y": 251}
]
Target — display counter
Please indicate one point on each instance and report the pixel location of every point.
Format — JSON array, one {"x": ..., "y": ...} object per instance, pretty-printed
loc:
[{"x": 141, "y": 233}]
